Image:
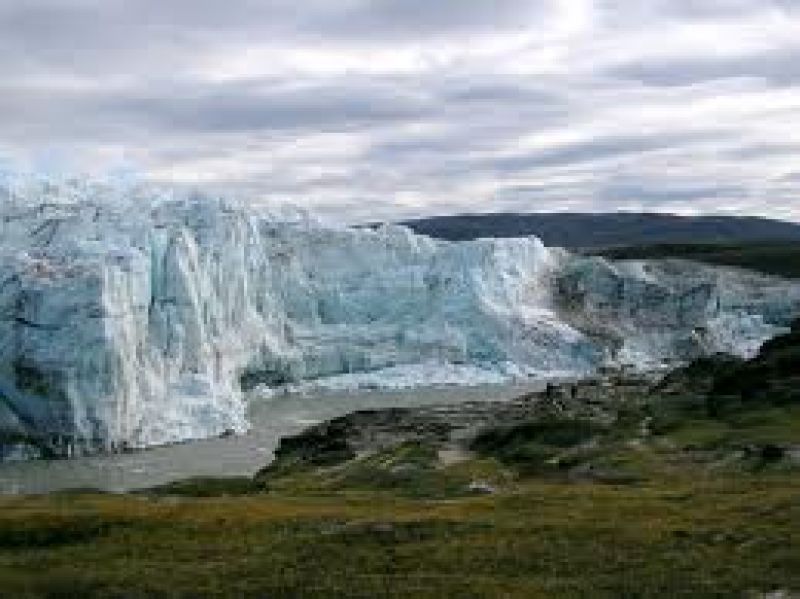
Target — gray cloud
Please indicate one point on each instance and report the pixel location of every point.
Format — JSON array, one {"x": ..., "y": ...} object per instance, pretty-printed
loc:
[
  {"x": 644, "y": 191},
  {"x": 597, "y": 149},
  {"x": 96, "y": 36},
  {"x": 414, "y": 18},
  {"x": 777, "y": 66},
  {"x": 791, "y": 177},
  {"x": 396, "y": 108},
  {"x": 255, "y": 107}
]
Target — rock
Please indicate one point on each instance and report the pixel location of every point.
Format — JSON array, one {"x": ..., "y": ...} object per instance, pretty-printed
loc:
[
  {"x": 767, "y": 452},
  {"x": 588, "y": 472},
  {"x": 771, "y": 453},
  {"x": 405, "y": 468},
  {"x": 780, "y": 594},
  {"x": 481, "y": 488}
]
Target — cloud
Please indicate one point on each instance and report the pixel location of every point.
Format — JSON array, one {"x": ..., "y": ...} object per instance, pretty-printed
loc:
[
  {"x": 270, "y": 105},
  {"x": 593, "y": 150},
  {"x": 410, "y": 19},
  {"x": 777, "y": 66},
  {"x": 369, "y": 109}
]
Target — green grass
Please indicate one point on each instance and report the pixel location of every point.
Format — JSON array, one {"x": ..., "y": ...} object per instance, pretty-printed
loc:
[
  {"x": 705, "y": 537},
  {"x": 543, "y": 446},
  {"x": 399, "y": 523},
  {"x": 778, "y": 425},
  {"x": 410, "y": 470},
  {"x": 206, "y": 486}
]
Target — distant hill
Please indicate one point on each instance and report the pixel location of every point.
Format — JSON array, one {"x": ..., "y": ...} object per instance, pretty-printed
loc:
[{"x": 584, "y": 230}]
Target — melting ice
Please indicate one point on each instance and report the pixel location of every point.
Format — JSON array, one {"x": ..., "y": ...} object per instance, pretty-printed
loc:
[{"x": 130, "y": 317}]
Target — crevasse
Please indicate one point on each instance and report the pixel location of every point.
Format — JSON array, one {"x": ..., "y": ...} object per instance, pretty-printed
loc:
[{"x": 130, "y": 317}]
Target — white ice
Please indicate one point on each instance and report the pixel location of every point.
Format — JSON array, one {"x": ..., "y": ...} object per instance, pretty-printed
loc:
[{"x": 131, "y": 317}]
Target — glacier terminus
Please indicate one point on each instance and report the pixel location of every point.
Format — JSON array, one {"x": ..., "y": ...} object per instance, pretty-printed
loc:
[{"x": 132, "y": 317}]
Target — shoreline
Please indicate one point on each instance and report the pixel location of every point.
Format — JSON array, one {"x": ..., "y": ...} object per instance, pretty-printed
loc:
[{"x": 239, "y": 455}]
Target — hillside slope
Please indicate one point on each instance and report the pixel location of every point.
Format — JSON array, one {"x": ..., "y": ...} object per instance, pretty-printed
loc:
[{"x": 587, "y": 230}]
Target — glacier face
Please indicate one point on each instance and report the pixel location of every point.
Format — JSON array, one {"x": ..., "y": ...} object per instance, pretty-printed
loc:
[{"x": 131, "y": 318}]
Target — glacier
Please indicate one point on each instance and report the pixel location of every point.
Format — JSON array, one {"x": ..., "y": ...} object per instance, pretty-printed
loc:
[{"x": 131, "y": 316}]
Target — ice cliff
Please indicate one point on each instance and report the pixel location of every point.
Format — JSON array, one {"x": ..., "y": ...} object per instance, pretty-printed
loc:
[{"x": 130, "y": 318}]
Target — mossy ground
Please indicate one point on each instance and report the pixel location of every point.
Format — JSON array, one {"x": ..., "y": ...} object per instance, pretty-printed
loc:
[
  {"x": 706, "y": 537},
  {"x": 399, "y": 523}
]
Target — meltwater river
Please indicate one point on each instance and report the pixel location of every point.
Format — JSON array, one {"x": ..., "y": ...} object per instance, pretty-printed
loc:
[{"x": 271, "y": 419}]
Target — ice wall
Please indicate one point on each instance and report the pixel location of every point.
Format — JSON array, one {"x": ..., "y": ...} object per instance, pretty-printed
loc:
[{"x": 130, "y": 318}]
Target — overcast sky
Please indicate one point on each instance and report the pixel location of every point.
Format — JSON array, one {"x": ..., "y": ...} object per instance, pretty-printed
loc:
[{"x": 379, "y": 109}]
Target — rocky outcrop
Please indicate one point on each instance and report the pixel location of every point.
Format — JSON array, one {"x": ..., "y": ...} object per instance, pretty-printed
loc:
[{"x": 454, "y": 427}]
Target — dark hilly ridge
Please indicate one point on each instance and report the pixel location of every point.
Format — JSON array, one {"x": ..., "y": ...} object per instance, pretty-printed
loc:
[
  {"x": 763, "y": 245},
  {"x": 604, "y": 230}
]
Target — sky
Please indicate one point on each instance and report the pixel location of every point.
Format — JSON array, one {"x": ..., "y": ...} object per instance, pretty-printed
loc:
[{"x": 385, "y": 109}]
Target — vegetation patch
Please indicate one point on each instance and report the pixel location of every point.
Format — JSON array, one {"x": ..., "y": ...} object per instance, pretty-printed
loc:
[
  {"x": 540, "y": 446},
  {"x": 52, "y": 529},
  {"x": 204, "y": 486},
  {"x": 699, "y": 537}
]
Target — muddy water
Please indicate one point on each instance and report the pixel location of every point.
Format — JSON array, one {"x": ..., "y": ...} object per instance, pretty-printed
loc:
[{"x": 241, "y": 455}]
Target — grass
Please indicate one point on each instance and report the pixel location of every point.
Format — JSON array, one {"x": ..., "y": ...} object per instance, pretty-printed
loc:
[
  {"x": 544, "y": 446},
  {"x": 775, "y": 425},
  {"x": 206, "y": 486},
  {"x": 704, "y": 537},
  {"x": 398, "y": 523},
  {"x": 410, "y": 470}
]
